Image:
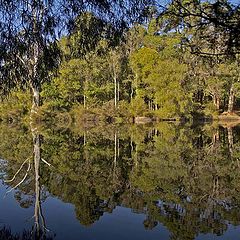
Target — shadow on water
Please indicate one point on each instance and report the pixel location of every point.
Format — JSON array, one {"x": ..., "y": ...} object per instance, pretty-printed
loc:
[
  {"x": 6, "y": 234},
  {"x": 183, "y": 177}
]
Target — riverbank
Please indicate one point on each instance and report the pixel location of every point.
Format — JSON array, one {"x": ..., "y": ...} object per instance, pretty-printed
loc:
[{"x": 87, "y": 117}]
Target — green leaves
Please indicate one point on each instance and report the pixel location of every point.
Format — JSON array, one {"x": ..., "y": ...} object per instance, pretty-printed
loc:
[{"x": 159, "y": 73}]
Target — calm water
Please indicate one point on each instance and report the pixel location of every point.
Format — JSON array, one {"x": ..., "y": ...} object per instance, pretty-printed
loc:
[{"x": 165, "y": 181}]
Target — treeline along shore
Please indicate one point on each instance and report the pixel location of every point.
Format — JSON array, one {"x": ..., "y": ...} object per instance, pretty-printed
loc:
[{"x": 174, "y": 62}]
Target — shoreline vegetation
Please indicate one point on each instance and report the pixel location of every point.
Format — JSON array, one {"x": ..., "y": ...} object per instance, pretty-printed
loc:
[
  {"x": 167, "y": 67},
  {"x": 90, "y": 119},
  {"x": 17, "y": 109},
  {"x": 19, "y": 112}
]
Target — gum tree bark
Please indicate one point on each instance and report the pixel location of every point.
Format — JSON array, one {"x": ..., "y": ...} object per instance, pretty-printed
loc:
[
  {"x": 216, "y": 101},
  {"x": 231, "y": 99}
]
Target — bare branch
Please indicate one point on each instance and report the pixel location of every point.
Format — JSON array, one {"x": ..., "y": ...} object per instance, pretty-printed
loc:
[
  {"x": 46, "y": 162},
  {"x": 25, "y": 176},
  {"x": 7, "y": 181}
]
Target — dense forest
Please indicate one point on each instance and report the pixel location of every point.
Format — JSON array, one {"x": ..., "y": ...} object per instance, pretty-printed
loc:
[{"x": 181, "y": 61}]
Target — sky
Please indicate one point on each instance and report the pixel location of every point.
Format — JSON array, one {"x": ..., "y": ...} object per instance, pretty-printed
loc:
[{"x": 235, "y": 1}]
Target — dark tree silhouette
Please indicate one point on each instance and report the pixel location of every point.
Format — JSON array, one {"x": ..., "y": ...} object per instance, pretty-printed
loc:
[
  {"x": 217, "y": 22},
  {"x": 6, "y": 234}
]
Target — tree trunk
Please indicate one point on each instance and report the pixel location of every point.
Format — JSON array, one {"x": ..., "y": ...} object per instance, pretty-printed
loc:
[
  {"x": 216, "y": 101},
  {"x": 84, "y": 138},
  {"x": 36, "y": 99},
  {"x": 84, "y": 101},
  {"x": 216, "y": 137},
  {"x": 118, "y": 92},
  {"x": 132, "y": 92},
  {"x": 118, "y": 148},
  {"x": 34, "y": 81},
  {"x": 231, "y": 99},
  {"x": 85, "y": 88}
]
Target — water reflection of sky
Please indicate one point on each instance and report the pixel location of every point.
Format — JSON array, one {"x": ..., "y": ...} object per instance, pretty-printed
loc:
[
  {"x": 230, "y": 234},
  {"x": 60, "y": 220},
  {"x": 121, "y": 224}
]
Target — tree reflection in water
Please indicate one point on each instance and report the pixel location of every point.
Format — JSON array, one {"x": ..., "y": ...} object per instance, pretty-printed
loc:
[
  {"x": 184, "y": 177},
  {"x": 39, "y": 229}
]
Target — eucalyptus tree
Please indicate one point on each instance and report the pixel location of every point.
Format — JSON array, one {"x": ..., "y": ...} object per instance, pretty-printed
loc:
[
  {"x": 29, "y": 53},
  {"x": 115, "y": 64},
  {"x": 28, "y": 50}
]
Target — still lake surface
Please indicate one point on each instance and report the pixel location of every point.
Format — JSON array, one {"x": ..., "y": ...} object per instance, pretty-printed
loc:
[{"x": 164, "y": 181}]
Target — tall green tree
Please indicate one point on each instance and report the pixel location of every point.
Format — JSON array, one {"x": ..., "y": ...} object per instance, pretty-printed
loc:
[{"x": 159, "y": 73}]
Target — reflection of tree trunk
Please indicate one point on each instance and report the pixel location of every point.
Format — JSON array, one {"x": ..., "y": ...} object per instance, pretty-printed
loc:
[
  {"x": 85, "y": 149},
  {"x": 200, "y": 143},
  {"x": 131, "y": 144},
  {"x": 37, "y": 158},
  {"x": 230, "y": 140},
  {"x": 200, "y": 96},
  {"x": 36, "y": 141},
  {"x": 231, "y": 99},
  {"x": 150, "y": 105},
  {"x": 215, "y": 139},
  {"x": 115, "y": 149},
  {"x": 114, "y": 179},
  {"x": 84, "y": 137},
  {"x": 136, "y": 156},
  {"x": 211, "y": 201}
]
